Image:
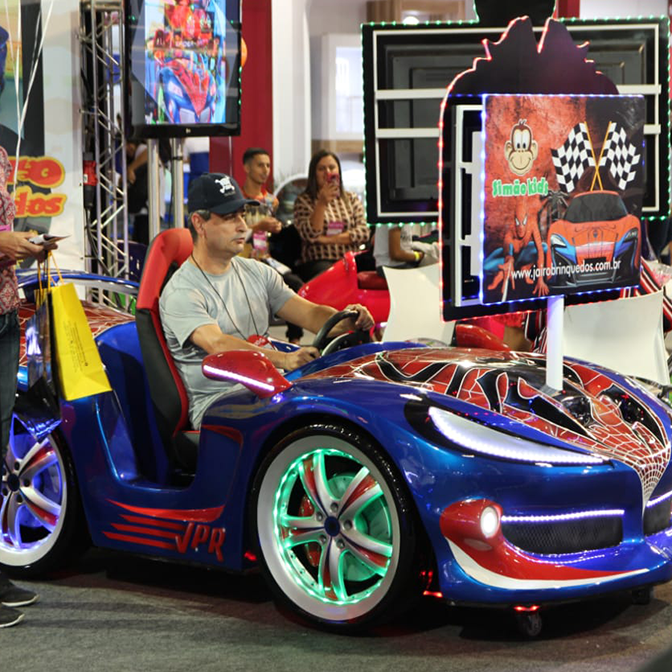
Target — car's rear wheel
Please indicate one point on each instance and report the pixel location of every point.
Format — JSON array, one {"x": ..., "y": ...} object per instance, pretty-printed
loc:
[
  {"x": 41, "y": 521},
  {"x": 335, "y": 528}
]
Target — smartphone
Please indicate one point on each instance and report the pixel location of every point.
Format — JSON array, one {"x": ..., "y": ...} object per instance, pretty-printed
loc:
[{"x": 44, "y": 238}]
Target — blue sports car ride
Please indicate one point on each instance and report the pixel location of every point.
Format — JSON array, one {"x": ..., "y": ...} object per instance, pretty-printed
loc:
[{"x": 376, "y": 473}]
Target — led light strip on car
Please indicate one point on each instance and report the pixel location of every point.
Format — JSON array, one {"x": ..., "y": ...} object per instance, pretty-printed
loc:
[{"x": 481, "y": 439}]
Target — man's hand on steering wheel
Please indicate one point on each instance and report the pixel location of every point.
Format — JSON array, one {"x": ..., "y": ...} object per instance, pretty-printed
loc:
[
  {"x": 363, "y": 322},
  {"x": 296, "y": 358},
  {"x": 349, "y": 331}
]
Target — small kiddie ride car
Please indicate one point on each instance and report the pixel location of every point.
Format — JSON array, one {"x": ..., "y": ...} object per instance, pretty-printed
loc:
[
  {"x": 343, "y": 284},
  {"x": 367, "y": 477},
  {"x": 596, "y": 235}
]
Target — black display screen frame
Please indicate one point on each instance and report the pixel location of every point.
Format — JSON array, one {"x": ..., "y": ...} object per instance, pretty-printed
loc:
[
  {"x": 412, "y": 197},
  {"x": 147, "y": 117}
]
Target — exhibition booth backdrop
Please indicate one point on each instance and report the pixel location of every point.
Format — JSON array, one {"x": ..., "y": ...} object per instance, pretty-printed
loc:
[{"x": 40, "y": 118}]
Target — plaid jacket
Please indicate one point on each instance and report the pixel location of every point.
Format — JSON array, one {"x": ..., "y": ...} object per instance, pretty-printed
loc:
[{"x": 348, "y": 209}]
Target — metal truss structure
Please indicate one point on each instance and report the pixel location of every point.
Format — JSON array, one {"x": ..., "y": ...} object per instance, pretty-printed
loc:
[{"x": 102, "y": 41}]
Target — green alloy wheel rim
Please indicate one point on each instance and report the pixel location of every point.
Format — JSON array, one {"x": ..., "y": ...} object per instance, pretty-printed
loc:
[{"x": 331, "y": 540}]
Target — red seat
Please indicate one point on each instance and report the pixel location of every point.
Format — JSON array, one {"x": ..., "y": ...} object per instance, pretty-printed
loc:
[
  {"x": 370, "y": 280},
  {"x": 165, "y": 255}
]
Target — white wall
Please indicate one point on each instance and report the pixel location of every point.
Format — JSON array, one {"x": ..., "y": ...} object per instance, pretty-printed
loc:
[
  {"x": 601, "y": 9},
  {"x": 343, "y": 17},
  {"x": 63, "y": 121},
  {"x": 335, "y": 16},
  {"x": 291, "y": 88}
]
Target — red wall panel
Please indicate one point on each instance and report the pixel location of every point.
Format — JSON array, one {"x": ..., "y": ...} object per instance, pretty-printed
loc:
[
  {"x": 567, "y": 8},
  {"x": 257, "y": 95}
]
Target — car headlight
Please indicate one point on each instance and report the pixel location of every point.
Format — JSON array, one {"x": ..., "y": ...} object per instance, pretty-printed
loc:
[
  {"x": 558, "y": 241},
  {"x": 489, "y": 521},
  {"x": 483, "y": 440},
  {"x": 633, "y": 234}
]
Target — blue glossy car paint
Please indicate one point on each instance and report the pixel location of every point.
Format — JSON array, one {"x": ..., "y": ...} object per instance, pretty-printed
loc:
[{"x": 131, "y": 505}]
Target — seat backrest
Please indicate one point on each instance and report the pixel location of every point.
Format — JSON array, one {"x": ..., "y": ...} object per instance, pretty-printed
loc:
[
  {"x": 415, "y": 305},
  {"x": 166, "y": 253},
  {"x": 624, "y": 335}
]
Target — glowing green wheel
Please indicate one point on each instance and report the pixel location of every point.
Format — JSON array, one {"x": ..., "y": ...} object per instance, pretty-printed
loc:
[{"x": 334, "y": 527}]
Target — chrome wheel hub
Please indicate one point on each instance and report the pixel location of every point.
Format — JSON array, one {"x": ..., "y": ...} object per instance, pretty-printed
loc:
[{"x": 32, "y": 498}]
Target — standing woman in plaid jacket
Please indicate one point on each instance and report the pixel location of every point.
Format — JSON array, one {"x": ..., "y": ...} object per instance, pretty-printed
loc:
[{"x": 329, "y": 219}]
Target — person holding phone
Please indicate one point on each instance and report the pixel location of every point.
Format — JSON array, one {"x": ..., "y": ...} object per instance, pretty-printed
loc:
[
  {"x": 14, "y": 246},
  {"x": 329, "y": 219}
]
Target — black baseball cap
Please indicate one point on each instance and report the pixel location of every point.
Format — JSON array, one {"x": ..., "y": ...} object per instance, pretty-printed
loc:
[{"x": 218, "y": 193}]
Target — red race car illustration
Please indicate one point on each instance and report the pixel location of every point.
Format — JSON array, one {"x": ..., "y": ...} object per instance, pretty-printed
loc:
[{"x": 597, "y": 242}]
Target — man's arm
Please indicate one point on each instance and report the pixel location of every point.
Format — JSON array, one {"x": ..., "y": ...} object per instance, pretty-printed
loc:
[
  {"x": 312, "y": 316},
  {"x": 212, "y": 339},
  {"x": 270, "y": 224}
]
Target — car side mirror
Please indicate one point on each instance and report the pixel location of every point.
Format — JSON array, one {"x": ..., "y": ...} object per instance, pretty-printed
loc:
[{"x": 250, "y": 368}]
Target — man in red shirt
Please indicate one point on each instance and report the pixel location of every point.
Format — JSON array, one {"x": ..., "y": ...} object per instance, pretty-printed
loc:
[
  {"x": 257, "y": 165},
  {"x": 261, "y": 220}
]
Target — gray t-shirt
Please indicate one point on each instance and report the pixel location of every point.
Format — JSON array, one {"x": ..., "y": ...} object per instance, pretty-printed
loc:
[{"x": 240, "y": 301}]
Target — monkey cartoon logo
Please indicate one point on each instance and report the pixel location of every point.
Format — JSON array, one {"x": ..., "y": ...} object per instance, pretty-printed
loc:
[{"x": 521, "y": 150}]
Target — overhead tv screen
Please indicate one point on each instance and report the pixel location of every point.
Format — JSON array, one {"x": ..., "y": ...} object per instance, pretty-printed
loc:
[{"x": 183, "y": 60}]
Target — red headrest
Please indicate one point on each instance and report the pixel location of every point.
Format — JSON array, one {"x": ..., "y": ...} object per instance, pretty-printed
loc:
[{"x": 170, "y": 247}]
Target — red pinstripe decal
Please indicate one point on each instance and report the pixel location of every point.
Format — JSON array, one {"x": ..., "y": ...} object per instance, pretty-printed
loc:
[
  {"x": 137, "y": 540},
  {"x": 143, "y": 530},
  {"x": 156, "y": 523},
  {"x": 196, "y": 515}
]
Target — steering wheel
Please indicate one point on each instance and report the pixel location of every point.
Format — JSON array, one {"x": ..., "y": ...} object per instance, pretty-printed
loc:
[{"x": 342, "y": 340}]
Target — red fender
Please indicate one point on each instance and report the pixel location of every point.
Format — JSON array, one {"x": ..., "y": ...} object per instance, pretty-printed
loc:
[{"x": 472, "y": 336}]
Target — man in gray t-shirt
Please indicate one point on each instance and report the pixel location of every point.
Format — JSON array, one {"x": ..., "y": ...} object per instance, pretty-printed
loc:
[{"x": 217, "y": 300}]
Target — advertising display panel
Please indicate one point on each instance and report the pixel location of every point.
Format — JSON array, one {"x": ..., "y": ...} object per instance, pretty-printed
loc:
[
  {"x": 40, "y": 120},
  {"x": 184, "y": 61},
  {"x": 562, "y": 195}
]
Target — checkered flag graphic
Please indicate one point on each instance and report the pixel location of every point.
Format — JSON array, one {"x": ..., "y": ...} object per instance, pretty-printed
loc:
[
  {"x": 620, "y": 155},
  {"x": 573, "y": 157}
]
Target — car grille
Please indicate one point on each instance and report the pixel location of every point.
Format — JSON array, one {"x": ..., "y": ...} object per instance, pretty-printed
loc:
[
  {"x": 564, "y": 536},
  {"x": 657, "y": 517}
]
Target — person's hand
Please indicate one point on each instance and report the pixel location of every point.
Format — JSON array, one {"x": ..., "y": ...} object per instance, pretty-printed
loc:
[
  {"x": 297, "y": 358},
  {"x": 430, "y": 252},
  {"x": 16, "y": 245},
  {"x": 270, "y": 224},
  {"x": 364, "y": 320},
  {"x": 329, "y": 192},
  {"x": 46, "y": 248},
  {"x": 130, "y": 175}
]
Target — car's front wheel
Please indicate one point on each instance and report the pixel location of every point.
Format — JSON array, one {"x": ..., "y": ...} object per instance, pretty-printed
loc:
[
  {"x": 335, "y": 528},
  {"x": 41, "y": 522}
]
